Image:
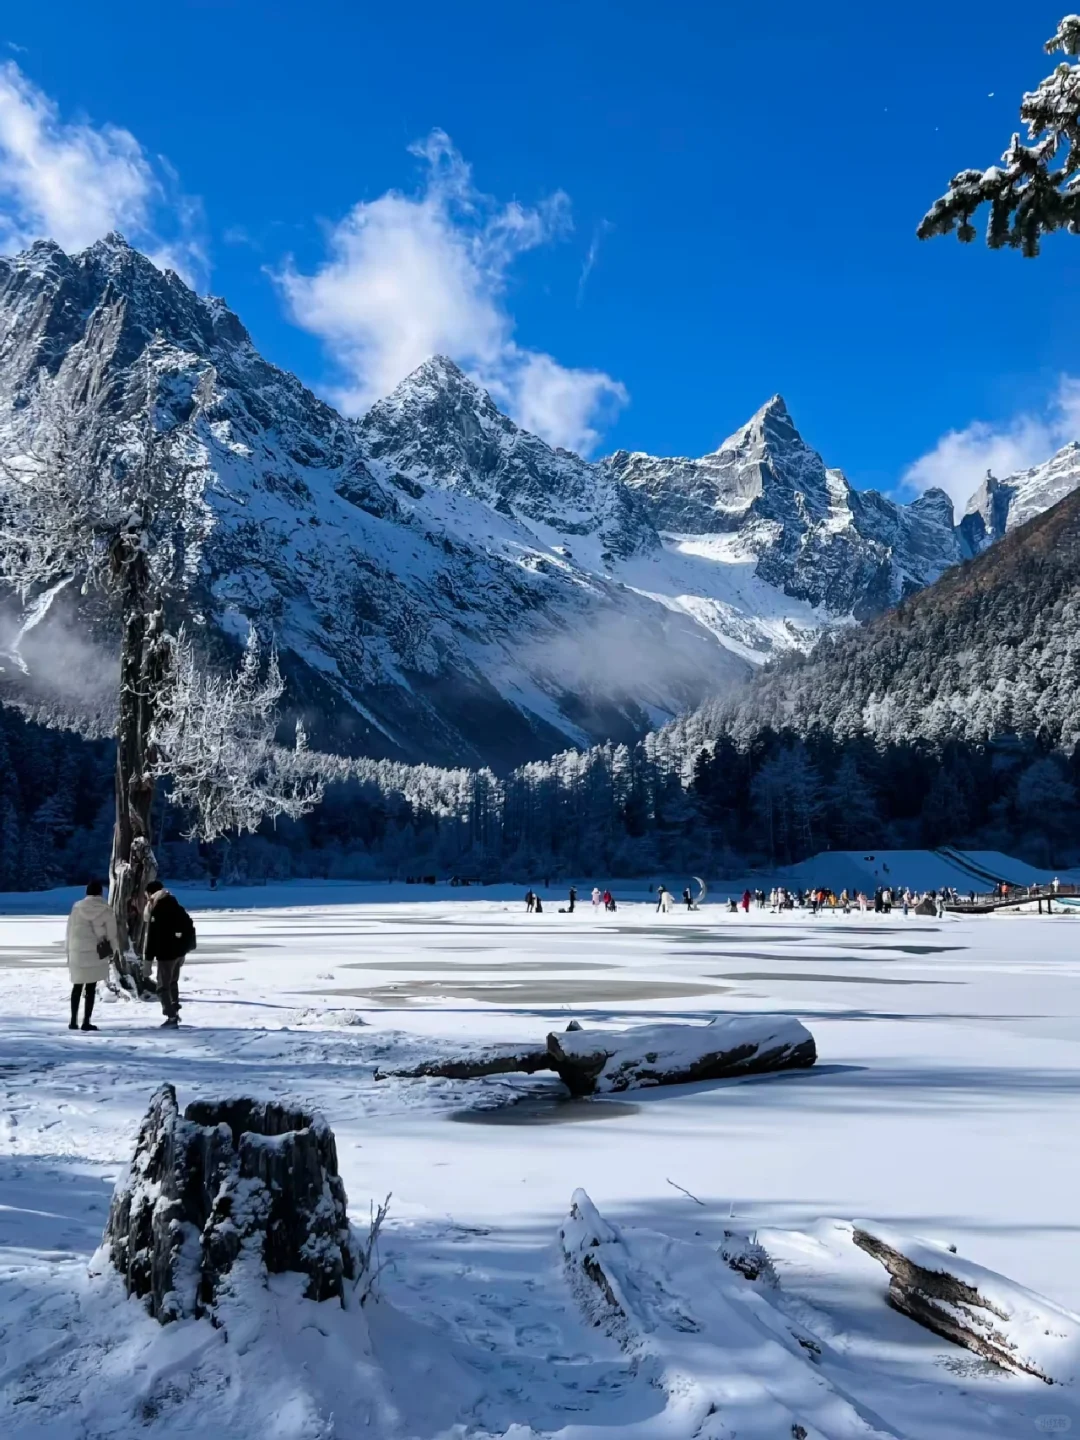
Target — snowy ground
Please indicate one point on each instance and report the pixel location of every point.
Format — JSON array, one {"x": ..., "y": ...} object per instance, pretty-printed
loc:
[{"x": 946, "y": 1103}]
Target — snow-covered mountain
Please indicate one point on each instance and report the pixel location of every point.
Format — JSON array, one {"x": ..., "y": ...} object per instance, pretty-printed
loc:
[
  {"x": 437, "y": 616},
  {"x": 440, "y": 428},
  {"x": 443, "y": 585},
  {"x": 811, "y": 535},
  {"x": 992, "y": 649},
  {"x": 1001, "y": 505}
]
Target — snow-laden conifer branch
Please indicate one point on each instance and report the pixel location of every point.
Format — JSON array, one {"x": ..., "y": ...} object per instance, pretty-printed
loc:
[
  {"x": 1036, "y": 189},
  {"x": 215, "y": 738}
]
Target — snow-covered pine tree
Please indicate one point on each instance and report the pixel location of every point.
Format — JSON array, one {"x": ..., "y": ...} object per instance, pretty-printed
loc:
[{"x": 1036, "y": 189}]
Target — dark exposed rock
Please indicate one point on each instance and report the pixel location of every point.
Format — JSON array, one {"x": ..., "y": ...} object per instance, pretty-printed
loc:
[{"x": 228, "y": 1179}]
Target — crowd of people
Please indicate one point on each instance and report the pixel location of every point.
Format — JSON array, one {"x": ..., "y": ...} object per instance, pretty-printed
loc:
[{"x": 883, "y": 901}]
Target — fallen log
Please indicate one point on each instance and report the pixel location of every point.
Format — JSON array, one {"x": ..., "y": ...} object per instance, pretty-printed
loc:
[
  {"x": 606, "y": 1061},
  {"x": 725, "y": 1360},
  {"x": 974, "y": 1307},
  {"x": 474, "y": 1064}
]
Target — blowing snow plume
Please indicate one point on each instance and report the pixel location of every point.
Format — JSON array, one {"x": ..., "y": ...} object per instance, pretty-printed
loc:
[{"x": 51, "y": 670}]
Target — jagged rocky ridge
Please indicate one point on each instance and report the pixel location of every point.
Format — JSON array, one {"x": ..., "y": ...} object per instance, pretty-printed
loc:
[
  {"x": 443, "y": 585},
  {"x": 991, "y": 649},
  {"x": 999, "y": 506},
  {"x": 812, "y": 535}
]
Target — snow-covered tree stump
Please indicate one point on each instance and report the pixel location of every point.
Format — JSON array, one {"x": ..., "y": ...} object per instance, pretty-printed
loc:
[
  {"x": 974, "y": 1307},
  {"x": 605, "y": 1061},
  {"x": 230, "y": 1189}
]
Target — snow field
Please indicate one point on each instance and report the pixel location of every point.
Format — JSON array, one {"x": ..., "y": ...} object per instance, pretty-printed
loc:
[{"x": 943, "y": 1105}]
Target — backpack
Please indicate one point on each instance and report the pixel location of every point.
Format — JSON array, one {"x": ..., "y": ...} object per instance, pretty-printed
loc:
[{"x": 187, "y": 930}]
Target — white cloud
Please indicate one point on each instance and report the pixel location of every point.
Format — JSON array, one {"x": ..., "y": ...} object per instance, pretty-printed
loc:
[
  {"x": 73, "y": 182},
  {"x": 959, "y": 461},
  {"x": 410, "y": 276},
  {"x": 589, "y": 263},
  {"x": 565, "y": 406}
]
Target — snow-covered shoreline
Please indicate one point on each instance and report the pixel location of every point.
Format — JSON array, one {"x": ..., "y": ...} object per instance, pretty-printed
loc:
[{"x": 944, "y": 1102}]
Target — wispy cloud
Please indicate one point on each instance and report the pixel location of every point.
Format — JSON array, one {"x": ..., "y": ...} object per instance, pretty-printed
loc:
[
  {"x": 408, "y": 276},
  {"x": 959, "y": 461},
  {"x": 73, "y": 182},
  {"x": 591, "y": 257}
]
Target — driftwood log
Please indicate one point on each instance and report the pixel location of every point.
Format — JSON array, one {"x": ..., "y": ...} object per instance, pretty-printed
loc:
[
  {"x": 973, "y": 1307},
  {"x": 232, "y": 1187},
  {"x": 608, "y": 1061},
  {"x": 474, "y": 1064},
  {"x": 725, "y": 1368}
]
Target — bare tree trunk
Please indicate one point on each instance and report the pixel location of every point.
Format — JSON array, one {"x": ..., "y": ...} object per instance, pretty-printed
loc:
[{"x": 143, "y": 658}]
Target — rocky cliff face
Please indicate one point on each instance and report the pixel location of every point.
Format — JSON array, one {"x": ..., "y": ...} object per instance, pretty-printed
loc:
[
  {"x": 813, "y": 536},
  {"x": 1002, "y": 505},
  {"x": 440, "y": 428}
]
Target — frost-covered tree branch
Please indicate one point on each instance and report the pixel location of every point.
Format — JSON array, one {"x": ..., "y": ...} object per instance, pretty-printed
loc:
[
  {"x": 97, "y": 489},
  {"x": 1036, "y": 189},
  {"x": 215, "y": 740},
  {"x": 108, "y": 496}
]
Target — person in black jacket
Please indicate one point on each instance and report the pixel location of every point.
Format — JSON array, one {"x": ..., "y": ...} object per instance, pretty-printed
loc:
[{"x": 170, "y": 935}]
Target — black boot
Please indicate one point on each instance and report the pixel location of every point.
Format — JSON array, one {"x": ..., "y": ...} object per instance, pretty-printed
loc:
[
  {"x": 76, "y": 992},
  {"x": 88, "y": 1007}
]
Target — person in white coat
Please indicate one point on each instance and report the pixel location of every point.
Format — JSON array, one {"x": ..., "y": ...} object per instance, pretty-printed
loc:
[{"x": 92, "y": 940}]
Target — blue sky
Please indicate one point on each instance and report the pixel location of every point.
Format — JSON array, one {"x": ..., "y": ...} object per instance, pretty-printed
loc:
[{"x": 362, "y": 182}]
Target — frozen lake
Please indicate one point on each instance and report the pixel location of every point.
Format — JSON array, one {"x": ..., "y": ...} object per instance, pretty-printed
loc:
[{"x": 946, "y": 1102}]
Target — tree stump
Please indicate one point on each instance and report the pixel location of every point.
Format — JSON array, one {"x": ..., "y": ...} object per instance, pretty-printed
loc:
[{"x": 231, "y": 1188}]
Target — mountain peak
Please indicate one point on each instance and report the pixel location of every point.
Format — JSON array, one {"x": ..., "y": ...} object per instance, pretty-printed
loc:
[
  {"x": 441, "y": 365},
  {"x": 113, "y": 241},
  {"x": 438, "y": 372},
  {"x": 775, "y": 405},
  {"x": 113, "y": 250},
  {"x": 771, "y": 425},
  {"x": 935, "y": 502}
]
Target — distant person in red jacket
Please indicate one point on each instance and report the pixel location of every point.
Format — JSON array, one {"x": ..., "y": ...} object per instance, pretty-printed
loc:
[{"x": 746, "y": 902}]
